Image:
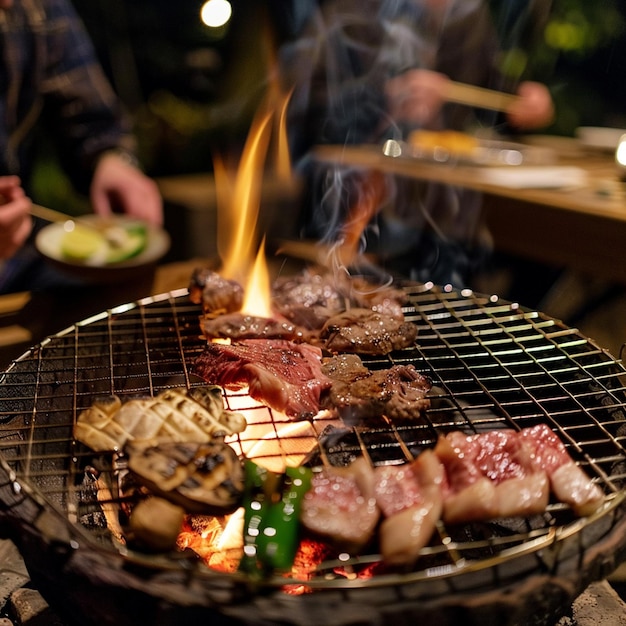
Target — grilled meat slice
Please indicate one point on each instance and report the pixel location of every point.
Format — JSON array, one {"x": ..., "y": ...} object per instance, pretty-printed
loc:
[
  {"x": 203, "y": 478},
  {"x": 283, "y": 375},
  {"x": 312, "y": 297},
  {"x": 365, "y": 331},
  {"x": 180, "y": 415},
  {"x": 504, "y": 473},
  {"x": 359, "y": 394},
  {"x": 308, "y": 299},
  {"x": 490, "y": 476},
  {"x": 216, "y": 294},
  {"x": 411, "y": 497},
  {"x": 237, "y": 326},
  {"x": 341, "y": 506},
  {"x": 568, "y": 481}
]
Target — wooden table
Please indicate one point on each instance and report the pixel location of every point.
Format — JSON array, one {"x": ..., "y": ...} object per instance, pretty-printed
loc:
[
  {"x": 27, "y": 318},
  {"x": 581, "y": 229}
]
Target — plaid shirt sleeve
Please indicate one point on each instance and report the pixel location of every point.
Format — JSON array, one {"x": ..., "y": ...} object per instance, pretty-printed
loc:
[{"x": 63, "y": 80}]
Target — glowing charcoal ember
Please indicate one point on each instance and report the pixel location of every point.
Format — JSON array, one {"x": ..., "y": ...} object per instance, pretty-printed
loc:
[{"x": 216, "y": 540}]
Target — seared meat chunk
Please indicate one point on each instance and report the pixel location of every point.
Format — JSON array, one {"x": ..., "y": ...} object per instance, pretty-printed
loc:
[
  {"x": 312, "y": 297},
  {"x": 365, "y": 331},
  {"x": 215, "y": 293},
  {"x": 490, "y": 475},
  {"x": 308, "y": 299},
  {"x": 505, "y": 472},
  {"x": 568, "y": 481},
  {"x": 411, "y": 498},
  {"x": 357, "y": 393},
  {"x": 238, "y": 326}
]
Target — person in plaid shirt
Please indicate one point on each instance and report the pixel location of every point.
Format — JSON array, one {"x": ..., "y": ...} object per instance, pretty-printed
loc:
[{"x": 49, "y": 75}]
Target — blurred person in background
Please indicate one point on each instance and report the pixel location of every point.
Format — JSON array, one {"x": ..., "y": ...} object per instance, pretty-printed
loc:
[
  {"x": 364, "y": 71},
  {"x": 50, "y": 77}
]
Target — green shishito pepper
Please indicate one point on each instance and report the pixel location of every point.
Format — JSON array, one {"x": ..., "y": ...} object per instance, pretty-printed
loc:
[{"x": 272, "y": 505}]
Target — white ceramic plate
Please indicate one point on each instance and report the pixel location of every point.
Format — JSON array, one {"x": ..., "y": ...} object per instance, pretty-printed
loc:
[
  {"x": 48, "y": 243},
  {"x": 599, "y": 137}
]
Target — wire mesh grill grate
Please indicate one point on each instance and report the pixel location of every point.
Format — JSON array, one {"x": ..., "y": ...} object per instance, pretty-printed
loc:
[{"x": 493, "y": 365}]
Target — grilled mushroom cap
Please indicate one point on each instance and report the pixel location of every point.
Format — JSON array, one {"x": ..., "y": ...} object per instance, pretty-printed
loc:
[{"x": 201, "y": 478}]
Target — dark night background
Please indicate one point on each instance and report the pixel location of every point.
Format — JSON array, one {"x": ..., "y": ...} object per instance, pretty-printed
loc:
[
  {"x": 191, "y": 89},
  {"x": 164, "y": 62}
]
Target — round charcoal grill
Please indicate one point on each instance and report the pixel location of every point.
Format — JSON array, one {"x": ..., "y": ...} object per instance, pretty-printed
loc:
[{"x": 494, "y": 364}]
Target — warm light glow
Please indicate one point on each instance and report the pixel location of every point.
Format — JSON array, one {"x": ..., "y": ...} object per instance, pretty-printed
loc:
[
  {"x": 232, "y": 535},
  {"x": 216, "y": 13},
  {"x": 620, "y": 153},
  {"x": 239, "y": 198},
  {"x": 371, "y": 196}
]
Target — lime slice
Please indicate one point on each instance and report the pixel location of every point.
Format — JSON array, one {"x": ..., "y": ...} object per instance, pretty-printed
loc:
[{"x": 81, "y": 243}]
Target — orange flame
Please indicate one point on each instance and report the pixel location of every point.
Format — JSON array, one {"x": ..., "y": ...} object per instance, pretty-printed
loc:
[
  {"x": 282, "y": 156},
  {"x": 257, "y": 299},
  {"x": 239, "y": 201}
]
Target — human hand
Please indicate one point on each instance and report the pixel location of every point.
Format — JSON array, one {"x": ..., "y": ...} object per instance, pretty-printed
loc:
[
  {"x": 416, "y": 96},
  {"x": 118, "y": 185},
  {"x": 15, "y": 221},
  {"x": 533, "y": 108}
]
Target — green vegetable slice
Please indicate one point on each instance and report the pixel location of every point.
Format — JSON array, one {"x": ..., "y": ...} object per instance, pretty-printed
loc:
[
  {"x": 82, "y": 243},
  {"x": 108, "y": 245}
]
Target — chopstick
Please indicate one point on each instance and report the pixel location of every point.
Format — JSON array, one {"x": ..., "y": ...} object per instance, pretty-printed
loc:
[
  {"x": 50, "y": 215},
  {"x": 304, "y": 250},
  {"x": 462, "y": 93}
]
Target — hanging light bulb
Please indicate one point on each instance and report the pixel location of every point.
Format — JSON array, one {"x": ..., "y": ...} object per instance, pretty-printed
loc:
[{"x": 216, "y": 13}]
